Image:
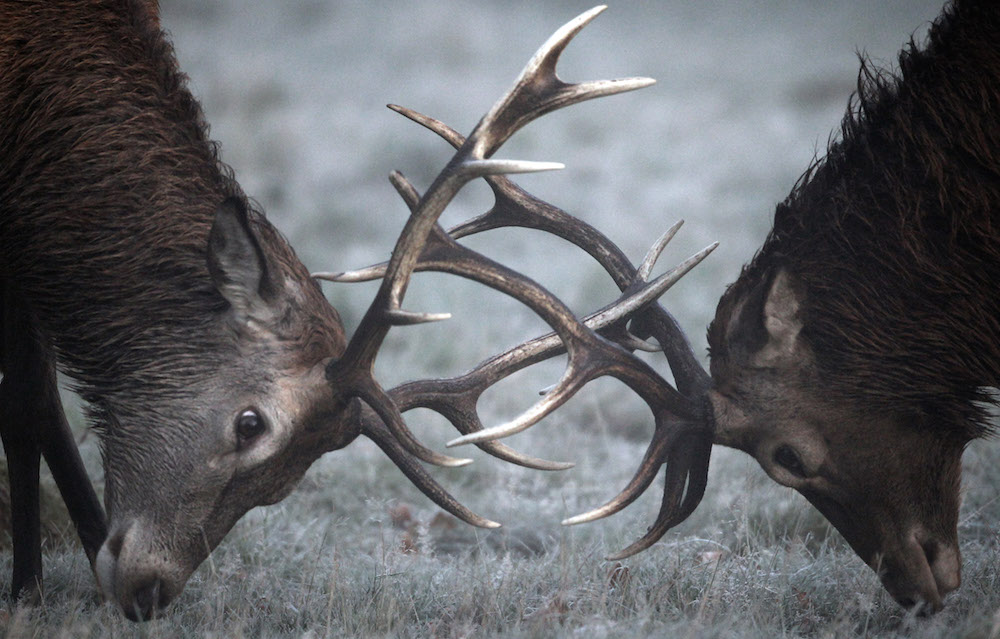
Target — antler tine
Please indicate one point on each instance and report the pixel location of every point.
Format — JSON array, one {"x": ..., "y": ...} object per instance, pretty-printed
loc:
[
  {"x": 536, "y": 92},
  {"x": 374, "y": 429},
  {"x": 456, "y": 400},
  {"x": 686, "y": 468},
  {"x": 665, "y": 445},
  {"x": 692, "y": 465},
  {"x": 646, "y": 267},
  {"x": 516, "y": 207},
  {"x": 644, "y": 476}
]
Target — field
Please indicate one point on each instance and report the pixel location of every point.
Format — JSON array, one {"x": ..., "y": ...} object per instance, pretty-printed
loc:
[{"x": 748, "y": 94}]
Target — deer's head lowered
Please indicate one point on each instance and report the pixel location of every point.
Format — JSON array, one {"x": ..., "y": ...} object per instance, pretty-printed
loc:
[{"x": 281, "y": 385}]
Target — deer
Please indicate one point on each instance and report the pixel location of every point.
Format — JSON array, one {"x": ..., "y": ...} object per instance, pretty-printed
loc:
[
  {"x": 854, "y": 355},
  {"x": 214, "y": 370}
]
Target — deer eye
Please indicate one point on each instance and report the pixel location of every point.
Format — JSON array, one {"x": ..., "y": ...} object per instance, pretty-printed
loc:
[
  {"x": 249, "y": 426},
  {"x": 786, "y": 457}
]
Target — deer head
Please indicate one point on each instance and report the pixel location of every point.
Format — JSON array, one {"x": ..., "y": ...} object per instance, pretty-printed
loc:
[{"x": 888, "y": 480}]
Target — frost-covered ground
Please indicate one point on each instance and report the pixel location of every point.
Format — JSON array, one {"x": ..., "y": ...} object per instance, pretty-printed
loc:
[{"x": 747, "y": 95}]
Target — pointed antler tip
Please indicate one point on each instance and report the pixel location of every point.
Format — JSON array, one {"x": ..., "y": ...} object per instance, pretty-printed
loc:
[
  {"x": 572, "y": 521},
  {"x": 482, "y": 168},
  {"x": 399, "y": 317}
]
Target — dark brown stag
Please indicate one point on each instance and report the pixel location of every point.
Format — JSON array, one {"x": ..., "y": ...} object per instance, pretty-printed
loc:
[
  {"x": 852, "y": 355},
  {"x": 215, "y": 370}
]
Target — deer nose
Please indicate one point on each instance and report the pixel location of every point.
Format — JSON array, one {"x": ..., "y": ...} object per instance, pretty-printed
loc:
[
  {"x": 125, "y": 578},
  {"x": 921, "y": 573},
  {"x": 145, "y": 600},
  {"x": 946, "y": 565}
]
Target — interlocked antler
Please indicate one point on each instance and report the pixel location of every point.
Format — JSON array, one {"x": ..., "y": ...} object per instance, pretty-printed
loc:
[
  {"x": 685, "y": 446},
  {"x": 536, "y": 92},
  {"x": 679, "y": 420}
]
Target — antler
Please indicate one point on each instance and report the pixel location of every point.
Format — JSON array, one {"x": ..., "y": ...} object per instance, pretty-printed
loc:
[
  {"x": 537, "y": 91},
  {"x": 682, "y": 437},
  {"x": 684, "y": 445}
]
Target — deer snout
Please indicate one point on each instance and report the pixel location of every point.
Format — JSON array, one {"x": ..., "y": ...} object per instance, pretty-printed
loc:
[
  {"x": 140, "y": 582},
  {"x": 921, "y": 573}
]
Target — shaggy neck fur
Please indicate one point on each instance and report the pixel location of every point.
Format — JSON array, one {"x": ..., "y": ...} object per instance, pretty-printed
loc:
[
  {"x": 895, "y": 234},
  {"x": 108, "y": 188}
]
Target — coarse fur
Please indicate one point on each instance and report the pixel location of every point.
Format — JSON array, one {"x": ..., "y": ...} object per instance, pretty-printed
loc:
[
  {"x": 71, "y": 230},
  {"x": 895, "y": 233},
  {"x": 853, "y": 357},
  {"x": 130, "y": 258}
]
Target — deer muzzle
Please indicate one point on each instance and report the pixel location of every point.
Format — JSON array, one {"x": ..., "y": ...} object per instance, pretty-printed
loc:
[
  {"x": 921, "y": 572},
  {"x": 139, "y": 580}
]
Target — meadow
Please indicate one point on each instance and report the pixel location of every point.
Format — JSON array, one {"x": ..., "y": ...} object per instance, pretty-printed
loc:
[{"x": 748, "y": 94}]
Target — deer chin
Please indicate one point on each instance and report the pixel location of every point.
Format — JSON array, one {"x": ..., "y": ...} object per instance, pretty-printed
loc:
[{"x": 919, "y": 574}]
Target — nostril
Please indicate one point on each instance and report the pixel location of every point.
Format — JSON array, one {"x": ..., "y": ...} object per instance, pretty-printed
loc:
[{"x": 145, "y": 601}]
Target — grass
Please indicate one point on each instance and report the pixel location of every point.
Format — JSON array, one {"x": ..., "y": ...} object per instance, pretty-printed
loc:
[{"x": 355, "y": 551}]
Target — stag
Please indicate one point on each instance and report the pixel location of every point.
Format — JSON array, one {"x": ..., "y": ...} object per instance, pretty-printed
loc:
[
  {"x": 214, "y": 369},
  {"x": 853, "y": 355}
]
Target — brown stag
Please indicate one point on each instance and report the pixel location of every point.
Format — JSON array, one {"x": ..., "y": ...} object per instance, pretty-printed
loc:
[
  {"x": 853, "y": 356},
  {"x": 215, "y": 370}
]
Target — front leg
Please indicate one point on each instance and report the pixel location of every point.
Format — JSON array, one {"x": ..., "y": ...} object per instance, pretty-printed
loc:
[
  {"x": 23, "y": 456},
  {"x": 32, "y": 423},
  {"x": 63, "y": 458}
]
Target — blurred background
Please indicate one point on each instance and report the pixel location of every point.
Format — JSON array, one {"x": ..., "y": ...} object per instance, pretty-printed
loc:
[{"x": 747, "y": 95}]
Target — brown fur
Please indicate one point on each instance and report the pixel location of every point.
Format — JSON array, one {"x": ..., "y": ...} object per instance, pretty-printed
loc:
[
  {"x": 107, "y": 191},
  {"x": 895, "y": 234}
]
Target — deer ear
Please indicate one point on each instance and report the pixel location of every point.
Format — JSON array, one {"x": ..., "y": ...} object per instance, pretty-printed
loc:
[
  {"x": 781, "y": 323},
  {"x": 236, "y": 262}
]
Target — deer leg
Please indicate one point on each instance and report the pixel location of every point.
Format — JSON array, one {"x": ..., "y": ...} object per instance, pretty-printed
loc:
[
  {"x": 63, "y": 458},
  {"x": 23, "y": 456},
  {"x": 33, "y": 423}
]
